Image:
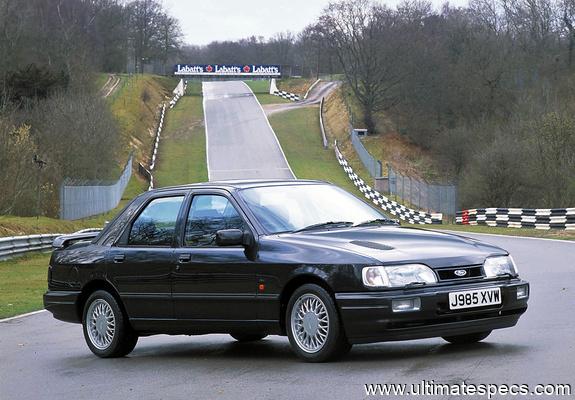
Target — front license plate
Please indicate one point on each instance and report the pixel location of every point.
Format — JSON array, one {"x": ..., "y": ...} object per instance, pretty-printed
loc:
[{"x": 474, "y": 298}]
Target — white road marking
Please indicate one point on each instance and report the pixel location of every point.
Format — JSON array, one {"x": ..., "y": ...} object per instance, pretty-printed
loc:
[{"x": 22, "y": 316}]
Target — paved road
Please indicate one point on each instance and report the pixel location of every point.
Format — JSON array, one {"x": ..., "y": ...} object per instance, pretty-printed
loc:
[
  {"x": 41, "y": 358},
  {"x": 321, "y": 89},
  {"x": 240, "y": 141}
]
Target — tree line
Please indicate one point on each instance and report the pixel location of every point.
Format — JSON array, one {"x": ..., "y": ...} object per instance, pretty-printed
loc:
[
  {"x": 487, "y": 88},
  {"x": 50, "y": 110}
]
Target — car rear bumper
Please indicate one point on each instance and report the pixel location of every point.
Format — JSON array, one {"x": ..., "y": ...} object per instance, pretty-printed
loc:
[
  {"x": 368, "y": 316},
  {"x": 63, "y": 305}
]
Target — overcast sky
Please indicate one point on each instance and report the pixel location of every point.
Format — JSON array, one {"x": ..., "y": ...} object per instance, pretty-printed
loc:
[{"x": 208, "y": 20}]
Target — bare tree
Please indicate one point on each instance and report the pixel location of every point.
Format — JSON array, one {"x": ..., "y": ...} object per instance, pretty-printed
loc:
[{"x": 369, "y": 49}]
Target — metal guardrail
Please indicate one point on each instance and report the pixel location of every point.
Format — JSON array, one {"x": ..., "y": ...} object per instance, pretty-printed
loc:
[
  {"x": 323, "y": 135},
  {"x": 17, "y": 245}
]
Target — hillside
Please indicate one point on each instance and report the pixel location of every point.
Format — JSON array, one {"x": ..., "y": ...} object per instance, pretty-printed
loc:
[{"x": 135, "y": 106}]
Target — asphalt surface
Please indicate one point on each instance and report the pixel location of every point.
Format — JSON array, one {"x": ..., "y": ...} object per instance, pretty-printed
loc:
[
  {"x": 240, "y": 141},
  {"x": 41, "y": 358},
  {"x": 321, "y": 89}
]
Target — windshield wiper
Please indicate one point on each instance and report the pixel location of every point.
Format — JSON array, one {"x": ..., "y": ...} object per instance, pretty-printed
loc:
[
  {"x": 330, "y": 224},
  {"x": 378, "y": 221}
]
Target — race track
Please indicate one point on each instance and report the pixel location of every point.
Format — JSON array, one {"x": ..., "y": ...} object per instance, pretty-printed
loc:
[
  {"x": 42, "y": 358},
  {"x": 240, "y": 141}
]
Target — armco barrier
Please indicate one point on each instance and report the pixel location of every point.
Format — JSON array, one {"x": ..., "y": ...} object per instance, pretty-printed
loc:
[
  {"x": 179, "y": 91},
  {"x": 18, "y": 245},
  {"x": 394, "y": 208},
  {"x": 321, "y": 126},
  {"x": 538, "y": 218}
]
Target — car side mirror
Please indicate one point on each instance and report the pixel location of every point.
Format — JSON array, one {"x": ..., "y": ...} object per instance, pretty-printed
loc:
[{"x": 230, "y": 237}]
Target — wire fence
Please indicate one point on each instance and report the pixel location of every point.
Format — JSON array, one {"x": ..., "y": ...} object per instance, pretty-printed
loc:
[
  {"x": 372, "y": 164},
  {"x": 423, "y": 195},
  {"x": 433, "y": 197},
  {"x": 81, "y": 199}
]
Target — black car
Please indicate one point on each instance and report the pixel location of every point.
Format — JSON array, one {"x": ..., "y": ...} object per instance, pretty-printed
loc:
[{"x": 301, "y": 258}]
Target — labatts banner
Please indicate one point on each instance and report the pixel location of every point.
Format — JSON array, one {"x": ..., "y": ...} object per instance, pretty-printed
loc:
[{"x": 227, "y": 69}]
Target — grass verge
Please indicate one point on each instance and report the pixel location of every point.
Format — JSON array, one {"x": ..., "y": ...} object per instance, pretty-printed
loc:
[
  {"x": 136, "y": 106},
  {"x": 524, "y": 232},
  {"x": 300, "y": 138},
  {"x": 22, "y": 284},
  {"x": 182, "y": 154},
  {"x": 261, "y": 89},
  {"x": 298, "y": 86}
]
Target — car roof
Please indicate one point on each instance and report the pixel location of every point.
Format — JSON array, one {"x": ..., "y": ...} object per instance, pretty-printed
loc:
[{"x": 240, "y": 184}]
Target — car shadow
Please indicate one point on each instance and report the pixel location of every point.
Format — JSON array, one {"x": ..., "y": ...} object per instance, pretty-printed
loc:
[{"x": 278, "y": 349}]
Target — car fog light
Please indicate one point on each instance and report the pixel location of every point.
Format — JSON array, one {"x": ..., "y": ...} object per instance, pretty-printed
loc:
[
  {"x": 404, "y": 305},
  {"x": 522, "y": 292}
]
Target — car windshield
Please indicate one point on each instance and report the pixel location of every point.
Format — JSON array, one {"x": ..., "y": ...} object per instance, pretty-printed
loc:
[{"x": 296, "y": 207}]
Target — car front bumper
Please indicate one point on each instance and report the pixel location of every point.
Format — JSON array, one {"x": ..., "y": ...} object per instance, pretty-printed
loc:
[
  {"x": 368, "y": 316},
  {"x": 63, "y": 305}
]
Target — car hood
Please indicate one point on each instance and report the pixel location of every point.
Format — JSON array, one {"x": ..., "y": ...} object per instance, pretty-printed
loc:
[{"x": 392, "y": 245}]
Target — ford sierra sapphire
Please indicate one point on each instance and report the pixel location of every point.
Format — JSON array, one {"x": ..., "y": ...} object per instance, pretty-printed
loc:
[{"x": 302, "y": 259}]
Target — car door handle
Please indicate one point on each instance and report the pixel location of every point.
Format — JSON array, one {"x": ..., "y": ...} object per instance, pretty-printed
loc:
[
  {"x": 119, "y": 258},
  {"x": 184, "y": 258}
]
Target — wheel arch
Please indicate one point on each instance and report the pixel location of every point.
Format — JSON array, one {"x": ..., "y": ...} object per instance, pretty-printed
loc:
[
  {"x": 292, "y": 286},
  {"x": 91, "y": 287}
]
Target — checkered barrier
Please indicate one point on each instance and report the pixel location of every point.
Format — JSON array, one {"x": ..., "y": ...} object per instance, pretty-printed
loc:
[
  {"x": 402, "y": 212},
  {"x": 286, "y": 95},
  {"x": 538, "y": 218}
]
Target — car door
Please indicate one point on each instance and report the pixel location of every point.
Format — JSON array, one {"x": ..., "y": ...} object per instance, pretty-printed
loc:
[
  {"x": 141, "y": 262},
  {"x": 213, "y": 285}
]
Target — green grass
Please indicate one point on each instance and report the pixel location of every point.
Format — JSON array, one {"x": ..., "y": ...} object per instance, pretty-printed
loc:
[
  {"x": 135, "y": 104},
  {"x": 525, "y": 232},
  {"x": 261, "y": 89},
  {"x": 22, "y": 284},
  {"x": 299, "y": 135},
  {"x": 182, "y": 154}
]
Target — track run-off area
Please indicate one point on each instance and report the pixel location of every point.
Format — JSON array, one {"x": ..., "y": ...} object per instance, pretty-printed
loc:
[{"x": 42, "y": 358}]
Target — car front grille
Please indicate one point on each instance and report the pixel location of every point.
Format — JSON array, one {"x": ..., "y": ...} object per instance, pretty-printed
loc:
[{"x": 460, "y": 273}]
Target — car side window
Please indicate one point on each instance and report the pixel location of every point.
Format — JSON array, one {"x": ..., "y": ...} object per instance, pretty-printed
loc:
[
  {"x": 209, "y": 214},
  {"x": 156, "y": 225}
]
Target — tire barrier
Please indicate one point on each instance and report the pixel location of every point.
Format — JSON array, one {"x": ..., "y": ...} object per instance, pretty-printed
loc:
[
  {"x": 538, "y": 218},
  {"x": 402, "y": 212},
  {"x": 13, "y": 246}
]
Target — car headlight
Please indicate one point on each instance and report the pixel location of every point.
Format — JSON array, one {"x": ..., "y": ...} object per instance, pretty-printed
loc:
[
  {"x": 499, "y": 266},
  {"x": 397, "y": 275}
]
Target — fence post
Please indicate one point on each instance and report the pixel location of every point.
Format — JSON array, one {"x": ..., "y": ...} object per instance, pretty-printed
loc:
[{"x": 419, "y": 185}]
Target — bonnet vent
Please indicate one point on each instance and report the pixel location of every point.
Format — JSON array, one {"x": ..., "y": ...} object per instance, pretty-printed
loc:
[{"x": 371, "y": 245}]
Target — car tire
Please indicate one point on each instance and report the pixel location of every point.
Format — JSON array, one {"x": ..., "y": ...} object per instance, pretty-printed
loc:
[
  {"x": 313, "y": 325},
  {"x": 106, "y": 329},
  {"x": 247, "y": 337},
  {"x": 467, "y": 339}
]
